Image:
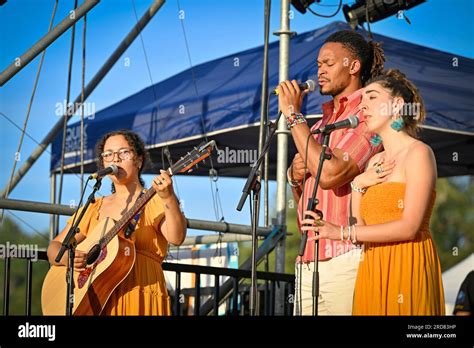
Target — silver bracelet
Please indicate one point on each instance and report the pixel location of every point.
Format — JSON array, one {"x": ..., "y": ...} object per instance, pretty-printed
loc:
[
  {"x": 292, "y": 183},
  {"x": 357, "y": 189},
  {"x": 354, "y": 240}
]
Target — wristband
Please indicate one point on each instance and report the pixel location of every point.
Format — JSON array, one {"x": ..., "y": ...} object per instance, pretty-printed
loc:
[
  {"x": 357, "y": 189},
  {"x": 295, "y": 119}
]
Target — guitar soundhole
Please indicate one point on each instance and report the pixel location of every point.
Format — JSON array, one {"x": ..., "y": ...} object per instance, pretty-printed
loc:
[
  {"x": 97, "y": 256},
  {"x": 93, "y": 254}
]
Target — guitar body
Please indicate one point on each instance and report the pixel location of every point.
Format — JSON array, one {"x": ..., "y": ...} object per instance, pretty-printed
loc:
[
  {"x": 93, "y": 286},
  {"x": 110, "y": 256}
]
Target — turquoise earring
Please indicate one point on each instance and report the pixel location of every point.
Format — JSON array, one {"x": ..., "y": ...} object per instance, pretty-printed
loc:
[
  {"x": 398, "y": 124},
  {"x": 375, "y": 140}
]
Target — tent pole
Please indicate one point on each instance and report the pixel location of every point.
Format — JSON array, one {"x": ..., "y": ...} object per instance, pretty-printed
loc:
[
  {"x": 263, "y": 129},
  {"x": 47, "y": 40},
  {"x": 264, "y": 105},
  {"x": 282, "y": 153},
  {"x": 122, "y": 47},
  {"x": 52, "y": 198}
]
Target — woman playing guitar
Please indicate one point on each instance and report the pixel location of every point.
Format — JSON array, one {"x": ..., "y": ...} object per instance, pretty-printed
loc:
[{"x": 143, "y": 291}]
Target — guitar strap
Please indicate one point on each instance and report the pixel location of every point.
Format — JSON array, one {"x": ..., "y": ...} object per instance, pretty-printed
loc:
[{"x": 132, "y": 225}]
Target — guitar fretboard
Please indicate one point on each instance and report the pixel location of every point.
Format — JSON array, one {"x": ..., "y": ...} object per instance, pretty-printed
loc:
[
  {"x": 125, "y": 219},
  {"x": 182, "y": 165}
]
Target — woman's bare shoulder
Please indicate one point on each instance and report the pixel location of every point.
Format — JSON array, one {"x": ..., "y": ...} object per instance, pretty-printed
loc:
[{"x": 419, "y": 150}]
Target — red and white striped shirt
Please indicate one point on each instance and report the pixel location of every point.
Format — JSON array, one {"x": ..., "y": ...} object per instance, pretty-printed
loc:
[{"x": 334, "y": 203}]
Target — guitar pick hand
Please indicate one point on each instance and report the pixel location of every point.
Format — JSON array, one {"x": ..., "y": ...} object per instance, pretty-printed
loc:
[{"x": 80, "y": 259}]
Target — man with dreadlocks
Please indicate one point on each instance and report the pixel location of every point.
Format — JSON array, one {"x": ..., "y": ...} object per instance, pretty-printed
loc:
[{"x": 346, "y": 62}]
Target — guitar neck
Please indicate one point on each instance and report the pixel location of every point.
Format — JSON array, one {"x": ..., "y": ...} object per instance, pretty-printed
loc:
[
  {"x": 125, "y": 219},
  {"x": 183, "y": 165}
]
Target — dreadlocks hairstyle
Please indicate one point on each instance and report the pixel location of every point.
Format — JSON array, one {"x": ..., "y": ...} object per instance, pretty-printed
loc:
[
  {"x": 136, "y": 144},
  {"x": 370, "y": 54},
  {"x": 413, "y": 111}
]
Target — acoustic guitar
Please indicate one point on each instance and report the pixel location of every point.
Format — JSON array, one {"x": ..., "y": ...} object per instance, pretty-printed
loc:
[{"x": 110, "y": 256}]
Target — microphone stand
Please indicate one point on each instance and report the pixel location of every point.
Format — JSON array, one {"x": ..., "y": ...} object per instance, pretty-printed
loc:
[
  {"x": 69, "y": 243},
  {"x": 312, "y": 204},
  {"x": 253, "y": 185}
]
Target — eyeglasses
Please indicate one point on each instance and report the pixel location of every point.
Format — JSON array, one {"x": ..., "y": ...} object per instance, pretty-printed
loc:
[{"x": 123, "y": 154}]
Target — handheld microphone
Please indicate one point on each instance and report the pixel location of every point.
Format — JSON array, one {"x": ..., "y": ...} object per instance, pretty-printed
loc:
[
  {"x": 309, "y": 85},
  {"x": 112, "y": 169},
  {"x": 350, "y": 122}
]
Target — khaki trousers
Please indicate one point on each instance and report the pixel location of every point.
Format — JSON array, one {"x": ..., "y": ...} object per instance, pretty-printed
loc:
[{"x": 337, "y": 278}]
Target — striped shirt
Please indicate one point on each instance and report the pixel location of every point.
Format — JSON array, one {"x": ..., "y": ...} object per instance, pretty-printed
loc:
[{"x": 334, "y": 203}]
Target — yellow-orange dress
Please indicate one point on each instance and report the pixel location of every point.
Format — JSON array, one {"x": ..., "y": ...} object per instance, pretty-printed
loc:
[
  {"x": 401, "y": 278},
  {"x": 144, "y": 291}
]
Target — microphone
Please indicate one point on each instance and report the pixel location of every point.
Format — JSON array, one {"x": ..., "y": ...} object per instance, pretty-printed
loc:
[
  {"x": 112, "y": 169},
  {"x": 309, "y": 85},
  {"x": 350, "y": 122}
]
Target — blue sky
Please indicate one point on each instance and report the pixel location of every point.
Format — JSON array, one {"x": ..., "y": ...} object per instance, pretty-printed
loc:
[{"x": 213, "y": 29}]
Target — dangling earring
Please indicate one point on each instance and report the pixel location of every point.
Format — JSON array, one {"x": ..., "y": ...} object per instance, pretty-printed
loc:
[
  {"x": 398, "y": 124},
  {"x": 375, "y": 140}
]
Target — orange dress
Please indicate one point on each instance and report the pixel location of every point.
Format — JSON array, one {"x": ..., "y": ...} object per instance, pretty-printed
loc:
[
  {"x": 398, "y": 278},
  {"x": 143, "y": 291}
]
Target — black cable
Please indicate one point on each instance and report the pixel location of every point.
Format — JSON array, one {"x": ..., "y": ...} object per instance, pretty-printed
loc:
[
  {"x": 82, "y": 96},
  {"x": 23, "y": 131},
  {"x": 327, "y": 16},
  {"x": 27, "y": 224},
  {"x": 68, "y": 95},
  {"x": 25, "y": 124},
  {"x": 217, "y": 202},
  {"x": 80, "y": 201},
  {"x": 303, "y": 202},
  {"x": 144, "y": 52},
  {"x": 68, "y": 170},
  {"x": 175, "y": 181},
  {"x": 322, "y": 5},
  {"x": 300, "y": 281},
  {"x": 300, "y": 290},
  {"x": 367, "y": 19}
]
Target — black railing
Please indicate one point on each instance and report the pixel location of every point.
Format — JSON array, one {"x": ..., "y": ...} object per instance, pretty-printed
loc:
[
  {"x": 236, "y": 302},
  {"x": 41, "y": 255},
  {"x": 237, "y": 298}
]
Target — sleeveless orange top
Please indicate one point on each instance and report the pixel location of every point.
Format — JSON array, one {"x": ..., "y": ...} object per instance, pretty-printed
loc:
[{"x": 400, "y": 278}]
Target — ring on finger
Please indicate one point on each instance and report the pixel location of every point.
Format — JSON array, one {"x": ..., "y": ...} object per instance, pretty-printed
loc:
[
  {"x": 379, "y": 170},
  {"x": 158, "y": 182}
]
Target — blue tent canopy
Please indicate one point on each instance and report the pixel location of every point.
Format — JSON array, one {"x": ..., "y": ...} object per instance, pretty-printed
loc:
[{"x": 220, "y": 100}]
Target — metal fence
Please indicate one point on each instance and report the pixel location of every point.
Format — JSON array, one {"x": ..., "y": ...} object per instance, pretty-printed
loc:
[{"x": 236, "y": 303}]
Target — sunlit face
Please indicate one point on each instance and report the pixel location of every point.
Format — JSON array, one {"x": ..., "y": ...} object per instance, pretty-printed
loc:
[
  {"x": 118, "y": 151},
  {"x": 378, "y": 107},
  {"x": 334, "y": 62}
]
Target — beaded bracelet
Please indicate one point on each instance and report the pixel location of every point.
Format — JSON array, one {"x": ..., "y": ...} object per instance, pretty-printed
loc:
[{"x": 294, "y": 119}]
